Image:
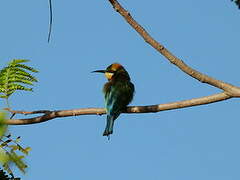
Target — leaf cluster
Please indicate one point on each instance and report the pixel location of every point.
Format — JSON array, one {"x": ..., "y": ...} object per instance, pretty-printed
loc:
[
  {"x": 15, "y": 76},
  {"x": 11, "y": 152}
]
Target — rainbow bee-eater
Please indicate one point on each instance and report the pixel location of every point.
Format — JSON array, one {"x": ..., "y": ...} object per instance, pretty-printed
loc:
[{"x": 118, "y": 93}]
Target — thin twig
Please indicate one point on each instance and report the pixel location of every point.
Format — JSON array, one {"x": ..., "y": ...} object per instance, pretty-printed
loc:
[
  {"x": 50, "y": 20},
  {"x": 28, "y": 112}
]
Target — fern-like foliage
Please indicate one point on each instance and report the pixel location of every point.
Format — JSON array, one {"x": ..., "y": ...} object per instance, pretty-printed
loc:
[
  {"x": 15, "y": 77},
  {"x": 11, "y": 152},
  {"x": 237, "y": 3}
]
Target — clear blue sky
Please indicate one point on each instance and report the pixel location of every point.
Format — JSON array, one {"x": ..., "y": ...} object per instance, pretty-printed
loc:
[{"x": 191, "y": 144}]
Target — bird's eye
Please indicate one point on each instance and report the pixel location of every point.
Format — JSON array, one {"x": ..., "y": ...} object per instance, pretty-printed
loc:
[{"x": 111, "y": 71}]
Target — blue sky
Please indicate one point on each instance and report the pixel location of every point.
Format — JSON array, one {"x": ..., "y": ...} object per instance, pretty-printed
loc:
[{"x": 193, "y": 143}]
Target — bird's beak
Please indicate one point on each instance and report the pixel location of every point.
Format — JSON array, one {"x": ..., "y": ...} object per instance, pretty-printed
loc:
[
  {"x": 108, "y": 75},
  {"x": 99, "y": 71}
]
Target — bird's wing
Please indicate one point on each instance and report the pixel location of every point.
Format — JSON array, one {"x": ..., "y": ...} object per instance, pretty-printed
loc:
[
  {"x": 118, "y": 97},
  {"x": 113, "y": 102}
]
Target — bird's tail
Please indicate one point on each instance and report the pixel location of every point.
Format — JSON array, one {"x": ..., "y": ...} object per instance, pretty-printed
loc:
[{"x": 109, "y": 126}]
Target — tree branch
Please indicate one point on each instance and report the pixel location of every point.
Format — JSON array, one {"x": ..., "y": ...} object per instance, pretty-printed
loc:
[
  {"x": 228, "y": 88},
  {"x": 99, "y": 111}
]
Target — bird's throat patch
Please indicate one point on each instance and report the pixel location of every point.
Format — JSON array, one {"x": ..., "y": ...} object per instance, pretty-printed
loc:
[{"x": 109, "y": 75}]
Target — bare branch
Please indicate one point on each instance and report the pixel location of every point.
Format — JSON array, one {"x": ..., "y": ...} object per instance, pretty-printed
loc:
[
  {"x": 228, "y": 88},
  {"x": 133, "y": 109}
]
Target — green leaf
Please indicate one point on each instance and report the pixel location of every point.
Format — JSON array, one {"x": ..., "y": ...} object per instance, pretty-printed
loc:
[
  {"x": 20, "y": 80},
  {"x": 17, "y": 61},
  {"x": 3, "y": 126},
  {"x": 15, "y": 77},
  {"x": 24, "y": 150},
  {"x": 21, "y": 157},
  {"x": 17, "y": 160},
  {"x": 16, "y": 72},
  {"x": 18, "y": 139},
  {"x": 16, "y": 86},
  {"x": 27, "y": 150},
  {"x": 3, "y": 96},
  {"x": 3, "y": 156},
  {"x": 27, "y": 76},
  {"x": 26, "y": 67},
  {"x": 14, "y": 147}
]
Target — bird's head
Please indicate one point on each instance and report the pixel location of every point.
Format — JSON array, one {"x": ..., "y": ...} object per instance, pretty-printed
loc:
[{"x": 115, "y": 71}]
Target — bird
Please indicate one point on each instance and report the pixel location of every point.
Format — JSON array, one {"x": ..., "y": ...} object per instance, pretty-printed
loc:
[{"x": 118, "y": 93}]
